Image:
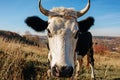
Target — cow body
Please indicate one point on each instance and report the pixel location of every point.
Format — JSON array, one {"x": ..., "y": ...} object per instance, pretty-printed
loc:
[
  {"x": 62, "y": 27},
  {"x": 84, "y": 45}
]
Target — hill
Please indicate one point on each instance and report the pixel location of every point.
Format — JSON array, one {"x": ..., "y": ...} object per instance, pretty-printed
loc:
[
  {"x": 109, "y": 43},
  {"x": 12, "y": 36}
]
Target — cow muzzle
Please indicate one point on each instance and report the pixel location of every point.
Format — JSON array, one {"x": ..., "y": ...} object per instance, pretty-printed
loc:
[{"x": 65, "y": 71}]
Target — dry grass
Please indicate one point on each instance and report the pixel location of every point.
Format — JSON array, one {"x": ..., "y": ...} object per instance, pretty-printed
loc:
[
  {"x": 24, "y": 62},
  {"x": 108, "y": 66},
  {"x": 20, "y": 61}
]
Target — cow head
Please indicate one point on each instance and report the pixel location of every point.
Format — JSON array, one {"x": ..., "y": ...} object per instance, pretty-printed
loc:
[{"x": 62, "y": 26}]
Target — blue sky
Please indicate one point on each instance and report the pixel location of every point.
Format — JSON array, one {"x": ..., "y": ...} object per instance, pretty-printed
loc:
[{"x": 105, "y": 12}]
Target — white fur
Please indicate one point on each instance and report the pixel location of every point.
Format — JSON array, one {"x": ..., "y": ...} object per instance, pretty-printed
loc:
[
  {"x": 62, "y": 43},
  {"x": 92, "y": 71},
  {"x": 64, "y": 11}
]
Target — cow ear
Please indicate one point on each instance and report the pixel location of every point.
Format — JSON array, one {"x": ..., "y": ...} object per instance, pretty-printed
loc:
[
  {"x": 36, "y": 23},
  {"x": 86, "y": 24}
]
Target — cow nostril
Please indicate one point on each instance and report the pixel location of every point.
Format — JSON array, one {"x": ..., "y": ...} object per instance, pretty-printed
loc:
[
  {"x": 55, "y": 71},
  {"x": 63, "y": 68}
]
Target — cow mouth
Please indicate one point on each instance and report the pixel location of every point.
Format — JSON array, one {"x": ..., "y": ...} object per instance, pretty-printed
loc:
[{"x": 65, "y": 72}]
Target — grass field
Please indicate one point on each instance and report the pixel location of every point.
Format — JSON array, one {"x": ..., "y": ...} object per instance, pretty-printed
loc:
[{"x": 25, "y": 62}]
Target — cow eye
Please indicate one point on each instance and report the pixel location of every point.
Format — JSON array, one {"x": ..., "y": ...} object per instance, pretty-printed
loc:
[{"x": 49, "y": 33}]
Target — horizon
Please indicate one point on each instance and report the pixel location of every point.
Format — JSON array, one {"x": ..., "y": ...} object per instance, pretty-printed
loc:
[
  {"x": 45, "y": 35},
  {"x": 106, "y": 14}
]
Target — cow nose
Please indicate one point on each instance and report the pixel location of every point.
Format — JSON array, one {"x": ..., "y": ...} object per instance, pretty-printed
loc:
[{"x": 65, "y": 71}]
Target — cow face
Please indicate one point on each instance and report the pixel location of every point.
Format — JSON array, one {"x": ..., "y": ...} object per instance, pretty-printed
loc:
[
  {"x": 61, "y": 37},
  {"x": 62, "y": 27}
]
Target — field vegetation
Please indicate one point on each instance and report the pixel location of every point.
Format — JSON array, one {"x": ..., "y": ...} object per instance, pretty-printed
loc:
[{"x": 20, "y": 61}]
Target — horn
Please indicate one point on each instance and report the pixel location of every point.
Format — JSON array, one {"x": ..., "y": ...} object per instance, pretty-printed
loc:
[
  {"x": 83, "y": 11},
  {"x": 42, "y": 10}
]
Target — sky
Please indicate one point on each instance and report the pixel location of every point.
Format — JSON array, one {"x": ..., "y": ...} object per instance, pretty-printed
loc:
[{"x": 106, "y": 14}]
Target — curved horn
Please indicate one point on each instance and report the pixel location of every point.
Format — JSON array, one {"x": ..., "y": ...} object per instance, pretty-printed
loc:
[
  {"x": 42, "y": 10},
  {"x": 83, "y": 11}
]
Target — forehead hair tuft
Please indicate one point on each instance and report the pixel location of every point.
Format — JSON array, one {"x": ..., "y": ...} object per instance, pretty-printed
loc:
[{"x": 64, "y": 11}]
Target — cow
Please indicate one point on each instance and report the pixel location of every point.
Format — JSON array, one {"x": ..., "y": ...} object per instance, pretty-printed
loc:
[
  {"x": 62, "y": 26},
  {"x": 84, "y": 45}
]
